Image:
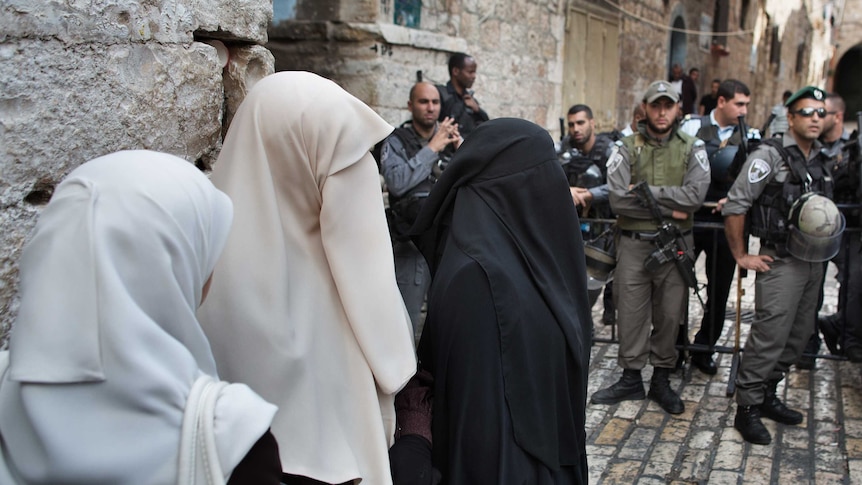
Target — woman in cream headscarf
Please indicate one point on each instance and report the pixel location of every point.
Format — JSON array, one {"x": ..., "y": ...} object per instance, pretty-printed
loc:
[
  {"x": 111, "y": 379},
  {"x": 306, "y": 309}
]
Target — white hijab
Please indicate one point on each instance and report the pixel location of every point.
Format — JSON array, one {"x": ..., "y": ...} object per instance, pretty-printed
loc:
[
  {"x": 106, "y": 347},
  {"x": 306, "y": 309}
]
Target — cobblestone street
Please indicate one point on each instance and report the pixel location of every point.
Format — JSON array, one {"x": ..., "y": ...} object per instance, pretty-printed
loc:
[{"x": 637, "y": 442}]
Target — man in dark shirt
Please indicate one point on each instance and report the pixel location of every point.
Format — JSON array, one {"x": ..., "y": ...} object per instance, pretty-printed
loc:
[
  {"x": 709, "y": 101},
  {"x": 456, "y": 97},
  {"x": 586, "y": 154}
]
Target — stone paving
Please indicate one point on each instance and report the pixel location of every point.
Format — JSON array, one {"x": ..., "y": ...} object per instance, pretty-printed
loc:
[{"x": 636, "y": 442}]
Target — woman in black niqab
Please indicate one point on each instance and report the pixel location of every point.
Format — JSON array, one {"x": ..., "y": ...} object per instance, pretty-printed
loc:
[{"x": 506, "y": 336}]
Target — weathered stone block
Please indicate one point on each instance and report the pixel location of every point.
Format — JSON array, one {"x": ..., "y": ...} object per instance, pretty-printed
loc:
[
  {"x": 62, "y": 105},
  {"x": 111, "y": 21},
  {"x": 246, "y": 66}
]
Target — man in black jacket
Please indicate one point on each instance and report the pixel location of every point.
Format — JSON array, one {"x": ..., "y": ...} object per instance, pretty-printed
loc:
[{"x": 456, "y": 97}]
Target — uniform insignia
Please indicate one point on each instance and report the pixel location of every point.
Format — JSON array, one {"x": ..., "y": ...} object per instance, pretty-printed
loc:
[
  {"x": 614, "y": 160},
  {"x": 661, "y": 88},
  {"x": 818, "y": 94},
  {"x": 702, "y": 159},
  {"x": 758, "y": 170}
]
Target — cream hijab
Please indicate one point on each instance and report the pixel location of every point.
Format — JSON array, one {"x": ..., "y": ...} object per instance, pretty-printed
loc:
[
  {"x": 306, "y": 309},
  {"x": 106, "y": 347}
]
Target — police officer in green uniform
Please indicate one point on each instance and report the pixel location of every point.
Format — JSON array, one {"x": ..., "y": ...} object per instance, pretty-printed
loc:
[
  {"x": 651, "y": 305},
  {"x": 775, "y": 175}
]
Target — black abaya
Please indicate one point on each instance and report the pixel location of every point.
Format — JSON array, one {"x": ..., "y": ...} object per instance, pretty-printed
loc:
[{"x": 506, "y": 336}]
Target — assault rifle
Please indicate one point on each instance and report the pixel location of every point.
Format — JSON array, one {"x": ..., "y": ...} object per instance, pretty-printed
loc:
[{"x": 670, "y": 245}]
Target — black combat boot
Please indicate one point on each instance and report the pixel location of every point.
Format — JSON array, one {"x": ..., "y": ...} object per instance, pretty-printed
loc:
[
  {"x": 749, "y": 425},
  {"x": 630, "y": 387},
  {"x": 660, "y": 391},
  {"x": 775, "y": 410}
]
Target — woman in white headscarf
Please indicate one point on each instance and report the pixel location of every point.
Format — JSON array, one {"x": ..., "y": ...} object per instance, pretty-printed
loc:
[
  {"x": 110, "y": 378},
  {"x": 306, "y": 309}
]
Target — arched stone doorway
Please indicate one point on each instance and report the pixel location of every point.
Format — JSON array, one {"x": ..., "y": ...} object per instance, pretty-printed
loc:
[
  {"x": 678, "y": 47},
  {"x": 848, "y": 74}
]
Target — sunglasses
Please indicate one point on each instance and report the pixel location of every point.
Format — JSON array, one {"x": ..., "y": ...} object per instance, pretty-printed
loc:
[{"x": 809, "y": 112}]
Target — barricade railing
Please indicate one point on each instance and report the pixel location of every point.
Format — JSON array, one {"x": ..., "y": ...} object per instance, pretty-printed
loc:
[{"x": 747, "y": 312}]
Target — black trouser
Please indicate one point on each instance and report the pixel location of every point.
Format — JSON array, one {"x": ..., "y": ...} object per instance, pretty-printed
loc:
[{"x": 720, "y": 267}]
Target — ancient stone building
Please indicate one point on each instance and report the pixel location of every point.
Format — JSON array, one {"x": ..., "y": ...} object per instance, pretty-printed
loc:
[
  {"x": 845, "y": 70},
  {"x": 537, "y": 57},
  {"x": 81, "y": 79}
]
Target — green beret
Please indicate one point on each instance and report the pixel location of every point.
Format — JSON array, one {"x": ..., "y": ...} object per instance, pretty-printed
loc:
[{"x": 806, "y": 92}]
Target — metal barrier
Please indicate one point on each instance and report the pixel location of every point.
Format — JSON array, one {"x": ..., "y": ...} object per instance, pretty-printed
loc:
[{"x": 747, "y": 315}]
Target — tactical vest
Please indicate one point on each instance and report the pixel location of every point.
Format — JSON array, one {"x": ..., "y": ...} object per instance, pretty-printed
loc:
[
  {"x": 717, "y": 189},
  {"x": 846, "y": 175},
  {"x": 580, "y": 162},
  {"x": 658, "y": 165},
  {"x": 404, "y": 209},
  {"x": 709, "y": 134},
  {"x": 768, "y": 214}
]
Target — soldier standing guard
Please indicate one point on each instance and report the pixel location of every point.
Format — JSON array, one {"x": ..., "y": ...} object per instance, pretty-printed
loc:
[
  {"x": 789, "y": 267},
  {"x": 651, "y": 304},
  {"x": 585, "y": 156},
  {"x": 720, "y": 132}
]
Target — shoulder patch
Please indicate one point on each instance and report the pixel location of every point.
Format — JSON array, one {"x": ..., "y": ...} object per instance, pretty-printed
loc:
[
  {"x": 618, "y": 143},
  {"x": 758, "y": 170},
  {"x": 699, "y": 143},
  {"x": 701, "y": 157},
  {"x": 615, "y": 158}
]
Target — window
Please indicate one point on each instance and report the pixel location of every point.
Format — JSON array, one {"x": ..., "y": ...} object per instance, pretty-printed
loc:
[
  {"x": 743, "y": 13},
  {"x": 407, "y": 13},
  {"x": 719, "y": 21}
]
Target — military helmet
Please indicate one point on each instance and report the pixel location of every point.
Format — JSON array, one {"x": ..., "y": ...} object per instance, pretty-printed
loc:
[
  {"x": 720, "y": 163},
  {"x": 600, "y": 255},
  {"x": 816, "y": 226}
]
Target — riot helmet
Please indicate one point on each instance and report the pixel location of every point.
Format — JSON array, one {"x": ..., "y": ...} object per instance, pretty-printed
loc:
[
  {"x": 600, "y": 255},
  {"x": 815, "y": 228}
]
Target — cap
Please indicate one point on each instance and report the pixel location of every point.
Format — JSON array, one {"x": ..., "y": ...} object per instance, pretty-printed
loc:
[
  {"x": 661, "y": 89},
  {"x": 806, "y": 92}
]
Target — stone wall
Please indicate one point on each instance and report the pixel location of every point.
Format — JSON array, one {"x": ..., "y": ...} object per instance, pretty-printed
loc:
[
  {"x": 83, "y": 79},
  {"x": 520, "y": 45}
]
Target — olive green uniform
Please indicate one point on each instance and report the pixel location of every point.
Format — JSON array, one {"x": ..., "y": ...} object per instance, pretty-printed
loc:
[
  {"x": 785, "y": 296},
  {"x": 651, "y": 306}
]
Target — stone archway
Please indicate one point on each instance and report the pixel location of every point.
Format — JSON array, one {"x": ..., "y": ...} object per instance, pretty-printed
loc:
[
  {"x": 848, "y": 80},
  {"x": 678, "y": 43}
]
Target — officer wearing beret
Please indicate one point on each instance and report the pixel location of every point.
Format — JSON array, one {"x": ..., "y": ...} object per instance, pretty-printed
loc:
[
  {"x": 774, "y": 175},
  {"x": 651, "y": 304}
]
